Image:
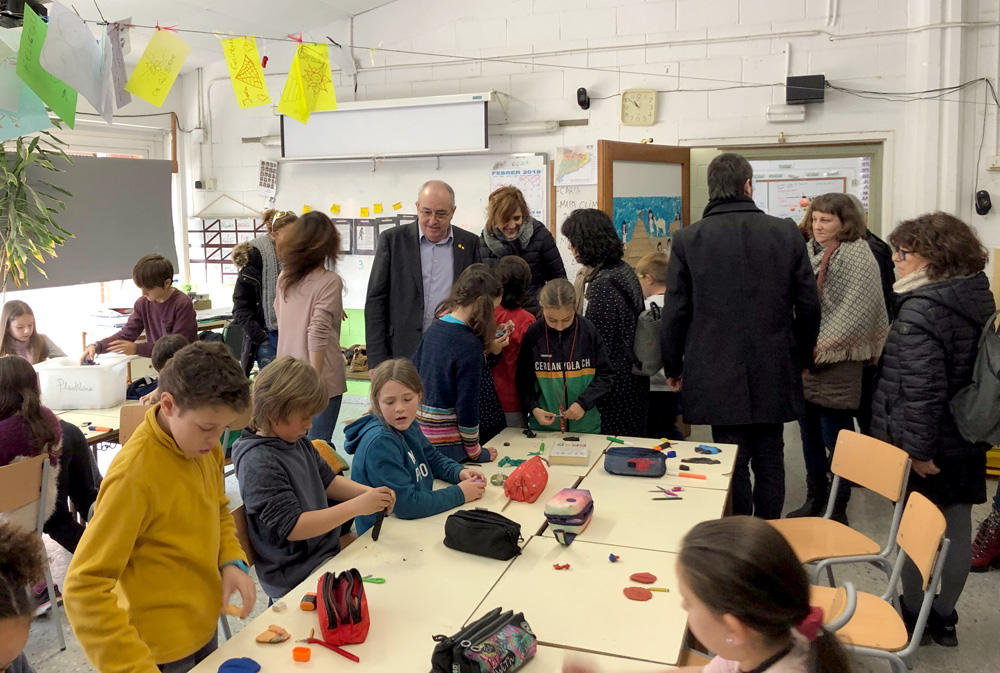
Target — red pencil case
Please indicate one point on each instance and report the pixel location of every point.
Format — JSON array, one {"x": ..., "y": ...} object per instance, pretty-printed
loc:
[{"x": 343, "y": 608}]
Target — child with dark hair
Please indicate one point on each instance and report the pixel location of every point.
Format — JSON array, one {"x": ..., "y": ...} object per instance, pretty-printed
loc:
[
  {"x": 515, "y": 276},
  {"x": 162, "y": 534},
  {"x": 162, "y": 309},
  {"x": 164, "y": 349},
  {"x": 22, "y": 565}
]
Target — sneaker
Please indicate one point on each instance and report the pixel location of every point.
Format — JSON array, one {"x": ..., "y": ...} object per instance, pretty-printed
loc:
[{"x": 43, "y": 603}]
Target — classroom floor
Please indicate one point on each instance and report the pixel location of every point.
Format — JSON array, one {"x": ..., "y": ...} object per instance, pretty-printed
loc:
[{"x": 979, "y": 607}]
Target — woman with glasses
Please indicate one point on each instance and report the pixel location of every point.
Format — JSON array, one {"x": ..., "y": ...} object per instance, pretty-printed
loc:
[
  {"x": 511, "y": 230},
  {"x": 853, "y": 326},
  {"x": 253, "y": 296},
  {"x": 943, "y": 299}
]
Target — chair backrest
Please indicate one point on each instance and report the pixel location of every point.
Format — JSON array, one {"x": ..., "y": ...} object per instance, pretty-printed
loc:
[
  {"x": 242, "y": 421},
  {"x": 243, "y": 533},
  {"x": 232, "y": 336},
  {"x": 837, "y": 605},
  {"x": 21, "y": 482},
  {"x": 130, "y": 418},
  {"x": 871, "y": 463},
  {"x": 921, "y": 533}
]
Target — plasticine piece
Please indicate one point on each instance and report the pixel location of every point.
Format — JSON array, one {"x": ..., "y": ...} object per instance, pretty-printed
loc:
[
  {"x": 233, "y": 610},
  {"x": 613, "y": 558},
  {"x": 280, "y": 607},
  {"x": 301, "y": 653},
  {"x": 240, "y": 665},
  {"x": 506, "y": 443},
  {"x": 637, "y": 593},
  {"x": 274, "y": 634},
  {"x": 564, "y": 566},
  {"x": 643, "y": 578},
  {"x": 308, "y": 602}
]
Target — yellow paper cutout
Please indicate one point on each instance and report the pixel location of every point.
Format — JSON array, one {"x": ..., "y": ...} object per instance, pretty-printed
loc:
[
  {"x": 317, "y": 81},
  {"x": 364, "y": 212},
  {"x": 246, "y": 72},
  {"x": 306, "y": 208},
  {"x": 377, "y": 208},
  {"x": 335, "y": 208},
  {"x": 159, "y": 66},
  {"x": 397, "y": 205}
]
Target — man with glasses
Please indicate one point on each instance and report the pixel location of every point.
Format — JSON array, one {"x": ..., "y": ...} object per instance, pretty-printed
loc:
[{"x": 413, "y": 272}]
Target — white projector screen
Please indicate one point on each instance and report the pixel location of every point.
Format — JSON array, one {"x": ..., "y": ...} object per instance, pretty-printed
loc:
[{"x": 437, "y": 128}]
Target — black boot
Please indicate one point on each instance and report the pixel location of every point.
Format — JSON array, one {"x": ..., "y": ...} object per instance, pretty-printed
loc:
[
  {"x": 840, "y": 503},
  {"x": 817, "y": 493},
  {"x": 943, "y": 628},
  {"x": 910, "y": 620}
]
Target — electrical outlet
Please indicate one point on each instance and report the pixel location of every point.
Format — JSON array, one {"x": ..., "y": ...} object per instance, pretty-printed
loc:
[{"x": 993, "y": 164}]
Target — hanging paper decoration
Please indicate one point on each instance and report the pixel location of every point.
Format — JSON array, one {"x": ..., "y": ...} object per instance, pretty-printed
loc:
[
  {"x": 309, "y": 87},
  {"x": 246, "y": 72},
  {"x": 21, "y": 111},
  {"x": 71, "y": 54},
  {"x": 119, "y": 77},
  {"x": 158, "y": 67},
  {"x": 54, "y": 92}
]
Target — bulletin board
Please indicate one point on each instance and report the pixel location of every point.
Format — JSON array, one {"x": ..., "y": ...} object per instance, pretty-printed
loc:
[
  {"x": 781, "y": 198},
  {"x": 342, "y": 189}
]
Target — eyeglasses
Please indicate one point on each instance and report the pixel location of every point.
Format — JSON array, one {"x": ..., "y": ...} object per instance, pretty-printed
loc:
[
  {"x": 903, "y": 252},
  {"x": 436, "y": 214}
]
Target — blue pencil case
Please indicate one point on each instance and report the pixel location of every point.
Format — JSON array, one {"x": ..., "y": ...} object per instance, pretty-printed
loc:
[{"x": 634, "y": 461}]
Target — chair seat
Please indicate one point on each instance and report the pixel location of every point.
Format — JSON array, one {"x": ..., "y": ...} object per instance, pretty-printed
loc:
[
  {"x": 815, "y": 538},
  {"x": 875, "y": 623}
]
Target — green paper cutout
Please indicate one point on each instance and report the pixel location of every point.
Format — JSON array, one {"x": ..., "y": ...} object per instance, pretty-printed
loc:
[{"x": 55, "y": 93}]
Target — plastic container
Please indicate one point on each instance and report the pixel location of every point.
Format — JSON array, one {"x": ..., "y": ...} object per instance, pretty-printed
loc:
[{"x": 66, "y": 384}]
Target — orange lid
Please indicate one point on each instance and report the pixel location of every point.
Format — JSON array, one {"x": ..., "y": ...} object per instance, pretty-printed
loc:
[{"x": 301, "y": 653}]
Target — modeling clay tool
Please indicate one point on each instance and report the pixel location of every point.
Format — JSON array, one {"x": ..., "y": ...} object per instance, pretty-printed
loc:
[
  {"x": 687, "y": 475},
  {"x": 373, "y": 580},
  {"x": 377, "y": 528},
  {"x": 343, "y": 653}
]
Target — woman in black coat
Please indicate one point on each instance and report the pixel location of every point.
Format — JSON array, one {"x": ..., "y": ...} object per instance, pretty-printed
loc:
[
  {"x": 510, "y": 230},
  {"x": 610, "y": 296},
  {"x": 943, "y": 299}
]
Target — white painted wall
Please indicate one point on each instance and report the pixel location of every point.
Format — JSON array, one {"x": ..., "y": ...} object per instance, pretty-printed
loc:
[{"x": 891, "y": 45}]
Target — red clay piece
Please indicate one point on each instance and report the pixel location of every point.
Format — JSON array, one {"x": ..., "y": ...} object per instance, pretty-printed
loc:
[
  {"x": 637, "y": 593},
  {"x": 564, "y": 566},
  {"x": 643, "y": 578}
]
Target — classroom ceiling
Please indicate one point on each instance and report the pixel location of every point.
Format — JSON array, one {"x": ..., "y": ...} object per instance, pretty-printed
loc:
[{"x": 268, "y": 18}]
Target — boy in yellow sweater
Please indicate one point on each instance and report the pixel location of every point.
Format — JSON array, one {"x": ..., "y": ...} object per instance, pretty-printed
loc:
[{"x": 162, "y": 534}]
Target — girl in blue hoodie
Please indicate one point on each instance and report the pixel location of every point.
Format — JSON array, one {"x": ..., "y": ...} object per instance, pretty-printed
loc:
[{"x": 390, "y": 450}]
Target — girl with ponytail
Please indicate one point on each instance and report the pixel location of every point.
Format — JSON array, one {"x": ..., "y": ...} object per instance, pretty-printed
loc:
[
  {"x": 450, "y": 361},
  {"x": 747, "y": 600},
  {"x": 22, "y": 560}
]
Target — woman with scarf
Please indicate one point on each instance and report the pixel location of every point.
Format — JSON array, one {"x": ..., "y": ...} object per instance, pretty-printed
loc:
[
  {"x": 510, "y": 230},
  {"x": 253, "y": 296},
  {"x": 853, "y": 327},
  {"x": 943, "y": 300}
]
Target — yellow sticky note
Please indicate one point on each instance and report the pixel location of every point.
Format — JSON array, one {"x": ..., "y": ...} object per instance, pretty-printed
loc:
[
  {"x": 306, "y": 208},
  {"x": 377, "y": 208},
  {"x": 159, "y": 66},
  {"x": 335, "y": 208},
  {"x": 397, "y": 205},
  {"x": 293, "y": 100},
  {"x": 246, "y": 72},
  {"x": 364, "y": 212},
  {"x": 317, "y": 81}
]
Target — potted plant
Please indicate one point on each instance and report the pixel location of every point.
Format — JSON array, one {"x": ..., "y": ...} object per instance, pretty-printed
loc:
[{"x": 27, "y": 227}]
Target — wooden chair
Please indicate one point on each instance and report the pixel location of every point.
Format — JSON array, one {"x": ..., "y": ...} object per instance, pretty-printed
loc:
[
  {"x": 874, "y": 627},
  {"x": 243, "y": 535},
  {"x": 21, "y": 484},
  {"x": 130, "y": 418},
  {"x": 868, "y": 462}
]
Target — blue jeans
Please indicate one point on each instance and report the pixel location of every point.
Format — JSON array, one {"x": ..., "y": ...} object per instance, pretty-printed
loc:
[
  {"x": 190, "y": 661},
  {"x": 267, "y": 351},
  {"x": 325, "y": 422},
  {"x": 820, "y": 427}
]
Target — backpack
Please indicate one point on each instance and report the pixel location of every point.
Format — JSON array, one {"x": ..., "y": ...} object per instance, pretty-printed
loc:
[
  {"x": 648, "y": 350},
  {"x": 976, "y": 408}
]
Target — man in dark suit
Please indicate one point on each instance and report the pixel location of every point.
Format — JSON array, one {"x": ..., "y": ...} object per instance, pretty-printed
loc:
[
  {"x": 740, "y": 320},
  {"x": 413, "y": 272}
]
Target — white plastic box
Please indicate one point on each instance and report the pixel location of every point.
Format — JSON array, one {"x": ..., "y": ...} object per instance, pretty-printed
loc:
[{"x": 66, "y": 384}]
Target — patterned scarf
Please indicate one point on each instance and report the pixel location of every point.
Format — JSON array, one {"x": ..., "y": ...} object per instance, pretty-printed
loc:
[
  {"x": 271, "y": 267},
  {"x": 853, "y": 324}
]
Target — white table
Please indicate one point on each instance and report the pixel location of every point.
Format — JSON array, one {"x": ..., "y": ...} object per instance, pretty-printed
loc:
[
  {"x": 718, "y": 476},
  {"x": 551, "y": 659},
  {"x": 625, "y": 514},
  {"x": 429, "y": 590},
  {"x": 109, "y": 417},
  {"x": 584, "y": 608},
  {"x": 521, "y": 446}
]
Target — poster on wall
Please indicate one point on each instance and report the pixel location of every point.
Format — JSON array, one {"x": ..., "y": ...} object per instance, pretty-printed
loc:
[
  {"x": 528, "y": 173},
  {"x": 647, "y": 206},
  {"x": 385, "y": 224},
  {"x": 365, "y": 236},
  {"x": 576, "y": 165},
  {"x": 345, "y": 227}
]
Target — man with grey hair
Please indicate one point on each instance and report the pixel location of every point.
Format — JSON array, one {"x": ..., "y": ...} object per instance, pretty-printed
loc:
[
  {"x": 740, "y": 319},
  {"x": 414, "y": 268}
]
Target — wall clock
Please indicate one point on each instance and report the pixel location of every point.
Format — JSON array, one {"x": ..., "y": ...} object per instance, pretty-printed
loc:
[{"x": 638, "y": 107}]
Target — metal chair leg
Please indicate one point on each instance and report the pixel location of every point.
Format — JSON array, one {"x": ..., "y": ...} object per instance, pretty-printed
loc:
[
  {"x": 829, "y": 575},
  {"x": 226, "y": 632},
  {"x": 56, "y": 610}
]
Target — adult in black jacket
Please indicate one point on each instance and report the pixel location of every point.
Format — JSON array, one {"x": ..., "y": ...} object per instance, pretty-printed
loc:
[
  {"x": 510, "y": 230},
  {"x": 253, "y": 295},
  {"x": 611, "y": 298},
  {"x": 403, "y": 290},
  {"x": 740, "y": 320},
  {"x": 943, "y": 299}
]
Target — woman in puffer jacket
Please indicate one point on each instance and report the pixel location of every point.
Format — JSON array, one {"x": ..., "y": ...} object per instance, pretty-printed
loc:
[{"x": 943, "y": 300}]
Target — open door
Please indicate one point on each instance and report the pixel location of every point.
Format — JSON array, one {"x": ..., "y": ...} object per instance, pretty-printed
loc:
[{"x": 646, "y": 190}]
